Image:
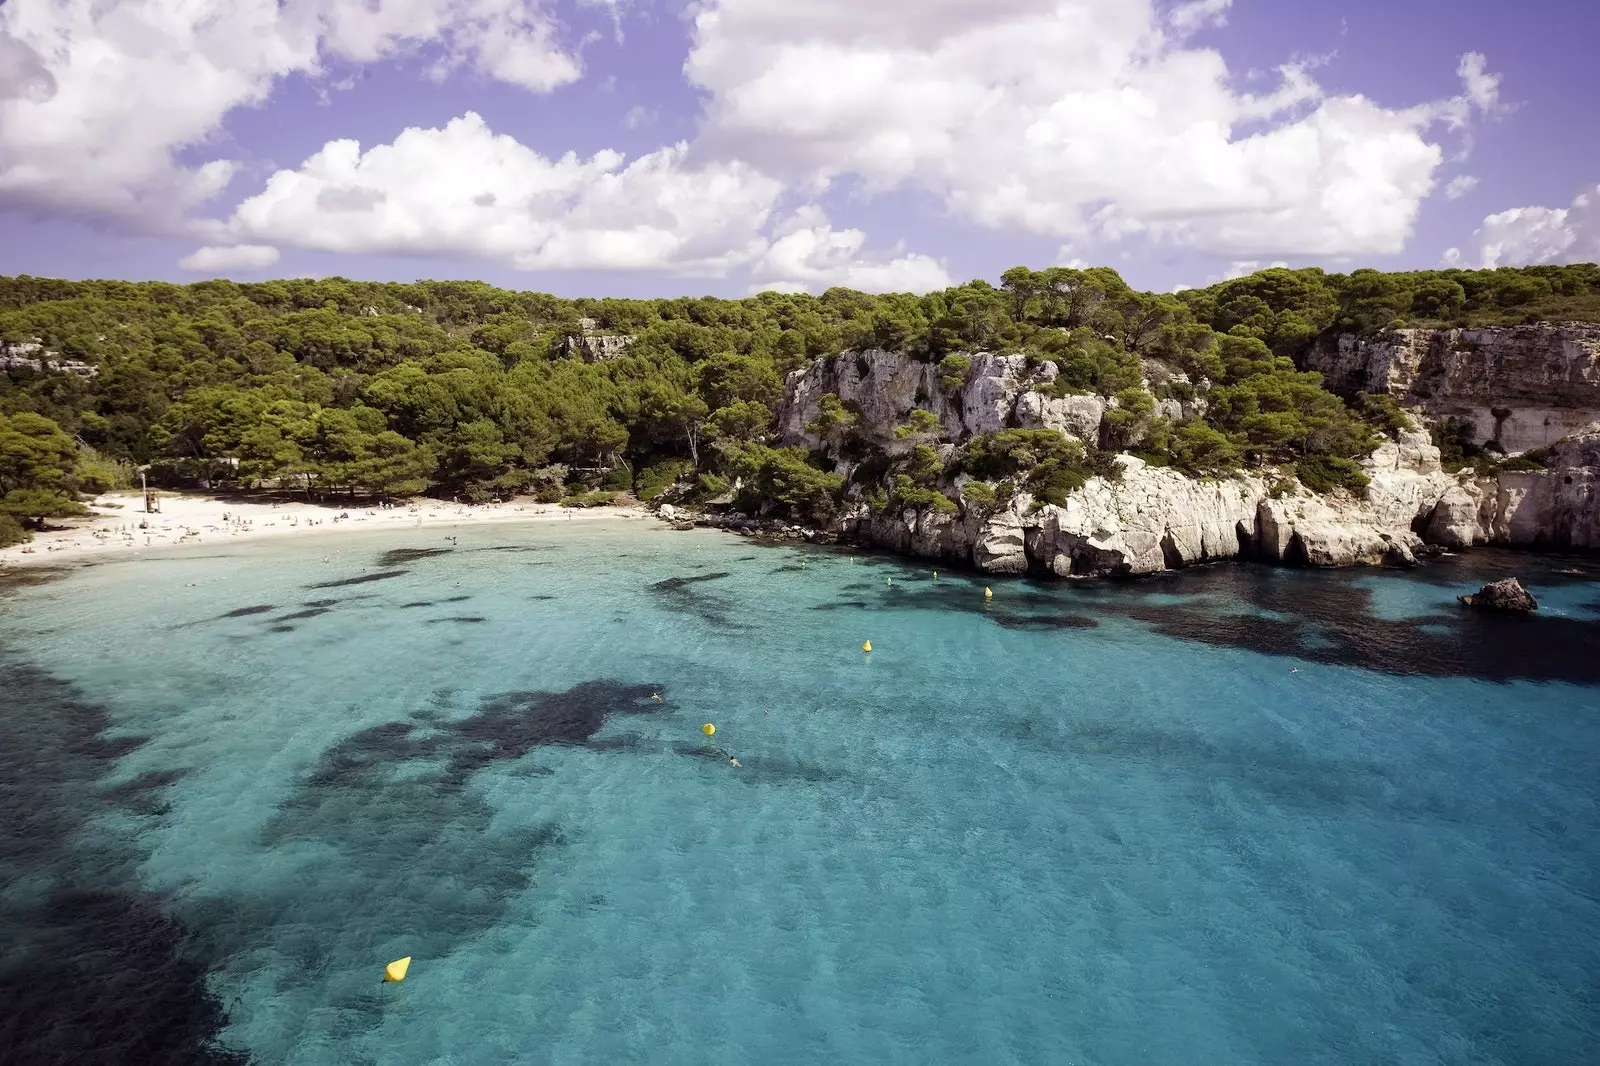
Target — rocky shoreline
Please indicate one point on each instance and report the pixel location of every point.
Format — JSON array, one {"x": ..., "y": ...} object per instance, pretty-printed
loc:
[{"x": 1147, "y": 519}]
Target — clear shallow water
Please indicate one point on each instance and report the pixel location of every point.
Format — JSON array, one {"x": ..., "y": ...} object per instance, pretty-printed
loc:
[{"x": 1238, "y": 815}]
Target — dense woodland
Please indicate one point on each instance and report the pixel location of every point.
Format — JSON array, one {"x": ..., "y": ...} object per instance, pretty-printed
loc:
[{"x": 336, "y": 387}]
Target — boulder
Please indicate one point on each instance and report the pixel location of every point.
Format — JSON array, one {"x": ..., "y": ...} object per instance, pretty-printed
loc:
[
  {"x": 1454, "y": 520},
  {"x": 1508, "y": 597},
  {"x": 1077, "y": 416},
  {"x": 1001, "y": 546}
]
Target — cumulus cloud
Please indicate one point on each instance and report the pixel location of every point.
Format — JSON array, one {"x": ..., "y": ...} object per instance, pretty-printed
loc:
[
  {"x": 465, "y": 190},
  {"x": 227, "y": 258},
  {"x": 1459, "y": 186},
  {"x": 1528, "y": 236},
  {"x": 808, "y": 254},
  {"x": 99, "y": 97},
  {"x": 1089, "y": 120}
]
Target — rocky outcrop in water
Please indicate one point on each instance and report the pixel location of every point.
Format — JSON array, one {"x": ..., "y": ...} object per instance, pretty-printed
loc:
[
  {"x": 1516, "y": 387},
  {"x": 1506, "y": 597}
]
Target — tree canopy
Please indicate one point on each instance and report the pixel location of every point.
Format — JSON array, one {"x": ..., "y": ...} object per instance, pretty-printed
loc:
[{"x": 336, "y": 386}]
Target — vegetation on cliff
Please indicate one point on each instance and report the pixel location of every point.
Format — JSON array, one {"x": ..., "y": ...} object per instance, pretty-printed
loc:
[{"x": 337, "y": 387}]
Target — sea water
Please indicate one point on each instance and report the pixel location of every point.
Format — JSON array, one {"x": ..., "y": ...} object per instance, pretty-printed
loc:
[{"x": 1235, "y": 815}]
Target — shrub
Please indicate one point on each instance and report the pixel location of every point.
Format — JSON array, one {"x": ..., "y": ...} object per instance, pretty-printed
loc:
[
  {"x": 953, "y": 371},
  {"x": 907, "y": 493},
  {"x": 1051, "y": 466},
  {"x": 710, "y": 486},
  {"x": 784, "y": 480},
  {"x": 918, "y": 424},
  {"x": 11, "y": 532},
  {"x": 657, "y": 478},
  {"x": 979, "y": 493},
  {"x": 549, "y": 492},
  {"x": 1383, "y": 412},
  {"x": 1324, "y": 473},
  {"x": 1197, "y": 449},
  {"x": 599, "y": 498},
  {"x": 618, "y": 479},
  {"x": 96, "y": 474},
  {"x": 35, "y": 505}
]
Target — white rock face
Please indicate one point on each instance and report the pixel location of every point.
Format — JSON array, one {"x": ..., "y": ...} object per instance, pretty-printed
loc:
[
  {"x": 1152, "y": 518},
  {"x": 1077, "y": 416},
  {"x": 596, "y": 347},
  {"x": 1455, "y": 521},
  {"x": 887, "y": 386},
  {"x": 1521, "y": 386},
  {"x": 1555, "y": 508},
  {"x": 1001, "y": 547}
]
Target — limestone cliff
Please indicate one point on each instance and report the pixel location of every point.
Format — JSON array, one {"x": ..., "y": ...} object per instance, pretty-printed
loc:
[
  {"x": 1145, "y": 520},
  {"x": 1520, "y": 387},
  {"x": 1555, "y": 508}
]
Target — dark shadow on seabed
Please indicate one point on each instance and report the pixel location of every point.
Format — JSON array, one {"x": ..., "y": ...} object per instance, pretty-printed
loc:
[
  {"x": 100, "y": 971},
  {"x": 1324, "y": 616},
  {"x": 95, "y": 970}
]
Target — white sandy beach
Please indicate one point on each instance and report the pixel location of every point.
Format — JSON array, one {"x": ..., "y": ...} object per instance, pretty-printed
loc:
[{"x": 113, "y": 529}]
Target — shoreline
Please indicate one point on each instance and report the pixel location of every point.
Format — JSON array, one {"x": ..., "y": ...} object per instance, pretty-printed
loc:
[{"x": 111, "y": 531}]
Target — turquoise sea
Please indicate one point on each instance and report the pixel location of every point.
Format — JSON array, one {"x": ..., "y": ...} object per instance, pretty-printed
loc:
[{"x": 1235, "y": 815}]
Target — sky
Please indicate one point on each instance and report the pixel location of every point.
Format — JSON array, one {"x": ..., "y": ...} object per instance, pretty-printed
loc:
[{"x": 724, "y": 147}]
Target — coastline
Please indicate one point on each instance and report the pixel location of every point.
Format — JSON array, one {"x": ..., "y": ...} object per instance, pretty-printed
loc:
[{"x": 111, "y": 530}]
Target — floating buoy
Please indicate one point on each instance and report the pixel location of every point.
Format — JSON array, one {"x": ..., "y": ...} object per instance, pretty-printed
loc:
[
  {"x": 396, "y": 970},
  {"x": 988, "y": 593},
  {"x": 708, "y": 729},
  {"x": 866, "y": 645},
  {"x": 888, "y": 581},
  {"x": 936, "y": 575}
]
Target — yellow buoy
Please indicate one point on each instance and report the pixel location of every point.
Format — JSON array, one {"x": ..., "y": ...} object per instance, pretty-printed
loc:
[
  {"x": 708, "y": 729},
  {"x": 866, "y": 645},
  {"x": 396, "y": 970},
  {"x": 988, "y": 593}
]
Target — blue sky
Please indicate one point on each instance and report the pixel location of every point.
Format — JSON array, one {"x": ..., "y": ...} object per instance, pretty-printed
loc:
[{"x": 640, "y": 147}]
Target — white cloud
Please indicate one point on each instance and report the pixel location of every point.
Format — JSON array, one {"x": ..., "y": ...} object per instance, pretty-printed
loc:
[
  {"x": 1459, "y": 186},
  {"x": 1089, "y": 120},
  {"x": 638, "y": 116},
  {"x": 808, "y": 254},
  {"x": 1197, "y": 14},
  {"x": 1242, "y": 268},
  {"x": 1525, "y": 236},
  {"x": 1482, "y": 88},
  {"x": 98, "y": 97},
  {"x": 228, "y": 258},
  {"x": 463, "y": 190}
]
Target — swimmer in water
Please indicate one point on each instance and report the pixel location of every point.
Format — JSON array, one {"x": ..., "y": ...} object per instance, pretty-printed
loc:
[
  {"x": 656, "y": 696},
  {"x": 732, "y": 761}
]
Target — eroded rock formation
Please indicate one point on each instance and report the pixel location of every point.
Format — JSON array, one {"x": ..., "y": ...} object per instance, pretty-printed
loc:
[
  {"x": 1146, "y": 520},
  {"x": 1519, "y": 387}
]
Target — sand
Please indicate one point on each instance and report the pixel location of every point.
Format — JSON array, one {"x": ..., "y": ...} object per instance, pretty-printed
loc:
[{"x": 112, "y": 530}]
